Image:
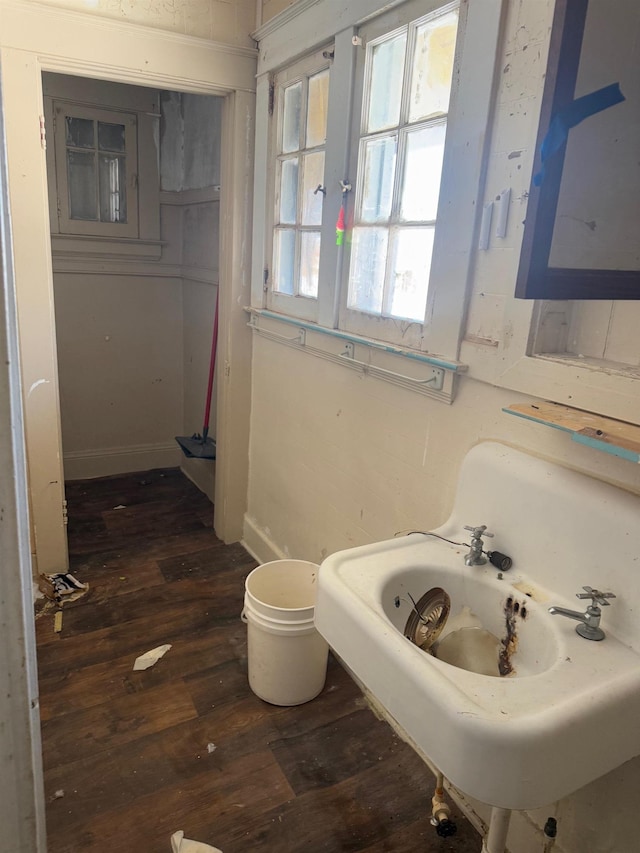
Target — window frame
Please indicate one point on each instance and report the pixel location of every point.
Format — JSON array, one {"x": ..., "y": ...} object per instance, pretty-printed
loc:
[
  {"x": 478, "y": 68},
  {"x": 295, "y": 305},
  {"x": 407, "y": 332},
  {"x": 84, "y": 227}
]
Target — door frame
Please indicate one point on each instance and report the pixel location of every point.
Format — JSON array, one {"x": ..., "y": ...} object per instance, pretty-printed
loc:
[{"x": 35, "y": 38}]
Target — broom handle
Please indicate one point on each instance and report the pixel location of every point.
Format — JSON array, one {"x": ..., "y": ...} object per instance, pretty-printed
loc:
[{"x": 212, "y": 367}]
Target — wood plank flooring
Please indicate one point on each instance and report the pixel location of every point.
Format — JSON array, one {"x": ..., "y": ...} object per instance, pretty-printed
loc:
[{"x": 186, "y": 744}]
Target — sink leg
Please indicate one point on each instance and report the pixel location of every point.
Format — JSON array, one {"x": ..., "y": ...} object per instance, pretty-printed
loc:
[{"x": 496, "y": 838}]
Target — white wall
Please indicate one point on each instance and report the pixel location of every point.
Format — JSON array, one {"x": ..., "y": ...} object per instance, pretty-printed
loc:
[
  {"x": 228, "y": 21},
  {"x": 338, "y": 459}
]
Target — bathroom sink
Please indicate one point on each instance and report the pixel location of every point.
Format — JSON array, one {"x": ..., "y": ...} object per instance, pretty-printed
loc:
[{"x": 552, "y": 711}]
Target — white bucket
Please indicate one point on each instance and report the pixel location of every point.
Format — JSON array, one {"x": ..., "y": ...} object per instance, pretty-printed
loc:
[{"x": 287, "y": 656}]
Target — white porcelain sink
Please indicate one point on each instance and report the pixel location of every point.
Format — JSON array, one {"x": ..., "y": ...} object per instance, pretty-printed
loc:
[{"x": 568, "y": 710}]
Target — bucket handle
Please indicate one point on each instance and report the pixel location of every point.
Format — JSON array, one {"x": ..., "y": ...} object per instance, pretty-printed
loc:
[{"x": 243, "y": 616}]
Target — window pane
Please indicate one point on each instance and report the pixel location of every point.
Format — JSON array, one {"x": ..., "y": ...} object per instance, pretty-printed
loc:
[
  {"x": 411, "y": 266},
  {"x": 79, "y": 132},
  {"x": 366, "y": 276},
  {"x": 313, "y": 165},
  {"x": 309, "y": 263},
  {"x": 289, "y": 191},
  {"x": 385, "y": 93},
  {"x": 110, "y": 137},
  {"x": 432, "y": 67},
  {"x": 377, "y": 187},
  {"x": 422, "y": 172},
  {"x": 317, "y": 109},
  {"x": 285, "y": 261},
  {"x": 81, "y": 169},
  {"x": 113, "y": 196},
  {"x": 291, "y": 118}
]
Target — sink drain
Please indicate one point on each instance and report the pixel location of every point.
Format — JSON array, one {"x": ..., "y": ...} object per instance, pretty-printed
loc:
[{"x": 427, "y": 618}]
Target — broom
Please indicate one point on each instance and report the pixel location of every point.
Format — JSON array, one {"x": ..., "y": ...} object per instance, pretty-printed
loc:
[{"x": 201, "y": 446}]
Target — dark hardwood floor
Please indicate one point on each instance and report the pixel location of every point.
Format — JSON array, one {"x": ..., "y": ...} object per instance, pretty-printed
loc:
[{"x": 186, "y": 744}]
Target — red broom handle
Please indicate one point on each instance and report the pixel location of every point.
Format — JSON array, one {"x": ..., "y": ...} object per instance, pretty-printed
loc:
[{"x": 212, "y": 367}]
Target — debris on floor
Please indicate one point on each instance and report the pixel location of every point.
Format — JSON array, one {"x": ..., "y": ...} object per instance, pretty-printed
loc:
[
  {"x": 62, "y": 587},
  {"x": 211, "y": 747},
  {"x": 57, "y": 622},
  {"x": 58, "y": 795},
  {"x": 148, "y": 659},
  {"x": 180, "y": 844},
  {"x": 120, "y": 506}
]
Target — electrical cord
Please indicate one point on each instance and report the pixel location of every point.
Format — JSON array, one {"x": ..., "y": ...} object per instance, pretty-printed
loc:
[
  {"x": 429, "y": 533},
  {"x": 500, "y": 561}
]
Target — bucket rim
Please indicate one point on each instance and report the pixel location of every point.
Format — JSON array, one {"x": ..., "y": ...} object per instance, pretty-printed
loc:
[{"x": 274, "y": 606}]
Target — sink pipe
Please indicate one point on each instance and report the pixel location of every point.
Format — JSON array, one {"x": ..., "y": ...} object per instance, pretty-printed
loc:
[
  {"x": 495, "y": 840},
  {"x": 440, "y": 810}
]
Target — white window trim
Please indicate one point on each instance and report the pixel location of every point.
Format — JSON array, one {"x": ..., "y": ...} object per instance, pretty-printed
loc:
[
  {"x": 296, "y": 306},
  {"x": 410, "y": 333},
  {"x": 469, "y": 118},
  {"x": 66, "y": 225}
]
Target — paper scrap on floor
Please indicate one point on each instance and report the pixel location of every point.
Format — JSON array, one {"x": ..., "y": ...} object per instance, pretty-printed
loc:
[
  {"x": 62, "y": 587},
  {"x": 180, "y": 844},
  {"x": 149, "y": 658}
]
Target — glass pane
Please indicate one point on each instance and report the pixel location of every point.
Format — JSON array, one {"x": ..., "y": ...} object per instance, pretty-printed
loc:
[
  {"x": 285, "y": 259},
  {"x": 313, "y": 165},
  {"x": 289, "y": 191},
  {"x": 432, "y": 67},
  {"x": 309, "y": 263},
  {"x": 377, "y": 185},
  {"x": 317, "y": 109},
  {"x": 110, "y": 137},
  {"x": 81, "y": 170},
  {"x": 385, "y": 92},
  {"x": 410, "y": 273},
  {"x": 422, "y": 173},
  {"x": 291, "y": 118},
  {"x": 113, "y": 195},
  {"x": 366, "y": 275},
  {"x": 79, "y": 132}
]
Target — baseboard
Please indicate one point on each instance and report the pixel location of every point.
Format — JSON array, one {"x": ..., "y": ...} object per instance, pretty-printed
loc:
[
  {"x": 105, "y": 461},
  {"x": 258, "y": 544},
  {"x": 202, "y": 473}
]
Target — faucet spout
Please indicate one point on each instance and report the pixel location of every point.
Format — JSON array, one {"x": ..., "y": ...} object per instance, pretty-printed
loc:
[
  {"x": 570, "y": 614},
  {"x": 589, "y": 626}
]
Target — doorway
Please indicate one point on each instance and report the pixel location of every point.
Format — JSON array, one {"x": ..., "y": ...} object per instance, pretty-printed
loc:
[{"x": 134, "y": 198}]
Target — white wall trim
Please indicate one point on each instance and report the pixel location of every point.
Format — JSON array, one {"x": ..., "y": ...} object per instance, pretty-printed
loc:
[
  {"x": 204, "y": 195},
  {"x": 83, "y": 45},
  {"x": 105, "y": 461},
  {"x": 258, "y": 542},
  {"x": 21, "y": 786},
  {"x": 72, "y": 265}
]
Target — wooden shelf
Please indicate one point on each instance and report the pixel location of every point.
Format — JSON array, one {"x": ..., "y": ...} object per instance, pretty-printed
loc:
[{"x": 615, "y": 437}]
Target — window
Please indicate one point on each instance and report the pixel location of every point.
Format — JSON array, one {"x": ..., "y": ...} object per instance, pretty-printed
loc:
[
  {"x": 410, "y": 94},
  {"x": 404, "y": 117},
  {"x": 96, "y": 171},
  {"x": 301, "y": 95}
]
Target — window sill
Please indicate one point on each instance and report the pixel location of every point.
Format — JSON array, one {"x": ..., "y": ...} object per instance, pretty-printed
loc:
[
  {"x": 425, "y": 374},
  {"x": 606, "y": 434}
]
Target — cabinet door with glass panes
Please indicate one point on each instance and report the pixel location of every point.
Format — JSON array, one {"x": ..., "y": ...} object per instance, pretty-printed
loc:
[{"x": 96, "y": 171}]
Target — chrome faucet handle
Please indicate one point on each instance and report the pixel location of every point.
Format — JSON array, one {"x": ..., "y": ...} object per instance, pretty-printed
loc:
[
  {"x": 596, "y": 596},
  {"x": 479, "y": 532}
]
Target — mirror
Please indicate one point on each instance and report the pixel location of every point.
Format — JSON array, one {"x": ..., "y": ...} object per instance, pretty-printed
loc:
[{"x": 582, "y": 231}]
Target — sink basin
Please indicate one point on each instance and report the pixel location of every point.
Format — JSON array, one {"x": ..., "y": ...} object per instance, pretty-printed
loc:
[
  {"x": 565, "y": 709},
  {"x": 480, "y": 606}
]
